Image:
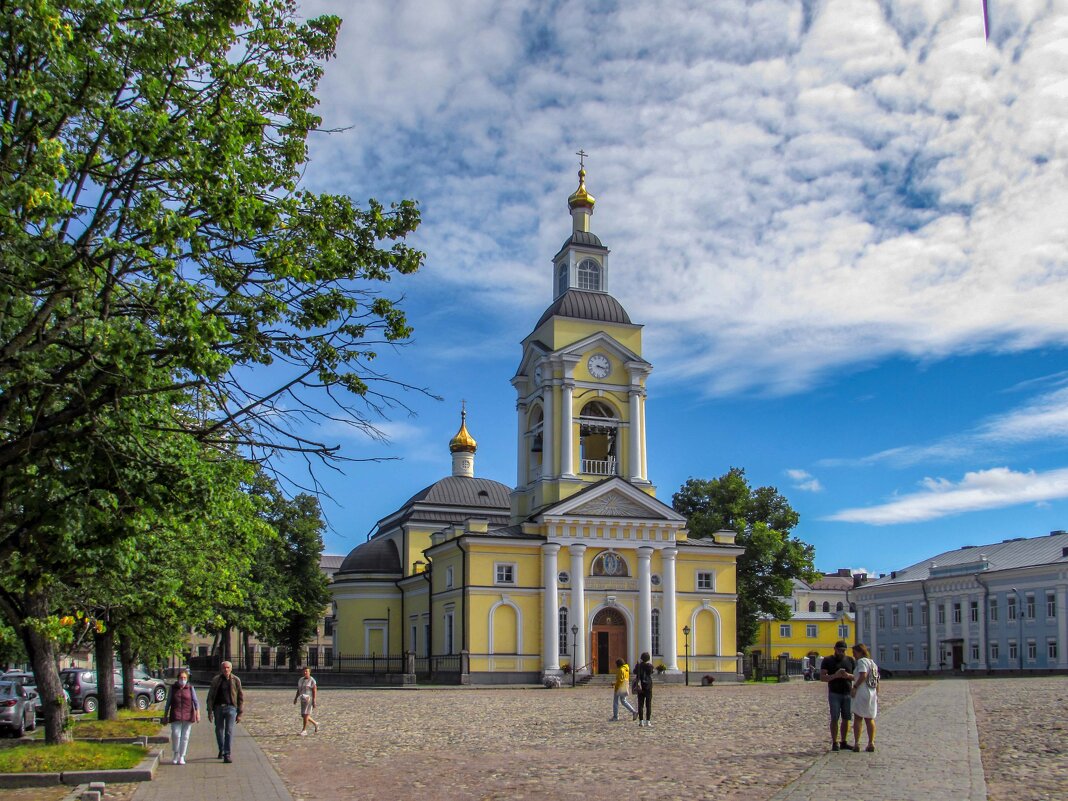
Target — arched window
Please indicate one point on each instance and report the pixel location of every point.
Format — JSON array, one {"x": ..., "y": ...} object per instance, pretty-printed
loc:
[
  {"x": 598, "y": 426},
  {"x": 589, "y": 275},
  {"x": 561, "y": 278},
  {"x": 609, "y": 563},
  {"x": 839, "y": 607},
  {"x": 656, "y": 631},
  {"x": 534, "y": 437},
  {"x": 811, "y": 606},
  {"x": 826, "y": 606},
  {"x": 563, "y": 631},
  {"x": 852, "y": 607}
]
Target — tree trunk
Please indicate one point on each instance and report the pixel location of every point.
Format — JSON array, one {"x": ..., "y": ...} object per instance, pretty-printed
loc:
[
  {"x": 104, "y": 647},
  {"x": 126, "y": 660},
  {"x": 42, "y": 654}
]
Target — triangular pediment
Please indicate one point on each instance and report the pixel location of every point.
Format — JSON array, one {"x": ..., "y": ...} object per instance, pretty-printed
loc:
[
  {"x": 602, "y": 340},
  {"x": 613, "y": 498}
]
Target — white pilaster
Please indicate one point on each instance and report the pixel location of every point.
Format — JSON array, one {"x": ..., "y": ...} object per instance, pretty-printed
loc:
[
  {"x": 548, "y": 431},
  {"x": 645, "y": 601},
  {"x": 577, "y": 613},
  {"x": 550, "y": 623},
  {"x": 1062, "y": 625},
  {"x": 668, "y": 624},
  {"x": 984, "y": 649},
  {"x": 567, "y": 459},
  {"x": 641, "y": 439},
  {"x": 932, "y": 640},
  {"x": 635, "y": 447}
]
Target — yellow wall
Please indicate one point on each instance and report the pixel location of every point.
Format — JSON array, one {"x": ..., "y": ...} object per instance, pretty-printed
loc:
[
  {"x": 799, "y": 644},
  {"x": 353, "y": 614}
]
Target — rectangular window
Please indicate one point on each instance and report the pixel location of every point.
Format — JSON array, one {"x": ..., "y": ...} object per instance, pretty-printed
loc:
[
  {"x": 1051, "y": 605},
  {"x": 1011, "y": 614},
  {"x": 923, "y": 653},
  {"x": 1032, "y": 650},
  {"x": 448, "y": 632},
  {"x": 843, "y": 631},
  {"x": 313, "y": 656},
  {"x": 202, "y": 650},
  {"x": 328, "y": 657},
  {"x": 910, "y": 653},
  {"x": 784, "y": 630},
  {"x": 956, "y": 613},
  {"x": 882, "y": 653},
  {"x": 811, "y": 631},
  {"x": 923, "y": 614},
  {"x": 428, "y": 646},
  {"x": 1030, "y": 607},
  {"x": 973, "y": 613},
  {"x": 995, "y": 652},
  {"x": 897, "y": 654},
  {"x": 328, "y": 627},
  {"x": 993, "y": 610},
  {"x": 706, "y": 580},
  {"x": 894, "y": 616},
  {"x": 975, "y": 652},
  {"x": 1013, "y": 653},
  {"x": 908, "y": 615},
  {"x": 1051, "y": 650},
  {"x": 941, "y": 615},
  {"x": 448, "y": 577},
  {"x": 882, "y": 619},
  {"x": 505, "y": 573},
  {"x": 656, "y": 631},
  {"x": 413, "y": 638},
  {"x": 265, "y": 656},
  {"x": 563, "y": 631}
]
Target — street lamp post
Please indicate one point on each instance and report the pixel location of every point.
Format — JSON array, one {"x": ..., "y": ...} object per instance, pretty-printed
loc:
[
  {"x": 686, "y": 639},
  {"x": 574, "y": 653}
]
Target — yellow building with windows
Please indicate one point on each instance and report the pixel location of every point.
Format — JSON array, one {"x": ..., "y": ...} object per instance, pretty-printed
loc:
[
  {"x": 823, "y": 613},
  {"x": 576, "y": 565}
]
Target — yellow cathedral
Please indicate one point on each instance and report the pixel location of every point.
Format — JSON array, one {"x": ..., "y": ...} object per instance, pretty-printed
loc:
[{"x": 577, "y": 565}]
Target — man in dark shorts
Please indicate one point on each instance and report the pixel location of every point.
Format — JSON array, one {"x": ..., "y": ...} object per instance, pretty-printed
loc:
[{"x": 837, "y": 671}]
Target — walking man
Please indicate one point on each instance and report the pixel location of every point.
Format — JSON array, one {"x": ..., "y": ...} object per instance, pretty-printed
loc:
[
  {"x": 837, "y": 671},
  {"x": 225, "y": 702}
]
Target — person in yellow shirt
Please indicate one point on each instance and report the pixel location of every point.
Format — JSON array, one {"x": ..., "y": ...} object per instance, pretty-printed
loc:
[{"x": 620, "y": 689}]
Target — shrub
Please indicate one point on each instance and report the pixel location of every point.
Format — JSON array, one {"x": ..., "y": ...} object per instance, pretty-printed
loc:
[{"x": 708, "y": 681}]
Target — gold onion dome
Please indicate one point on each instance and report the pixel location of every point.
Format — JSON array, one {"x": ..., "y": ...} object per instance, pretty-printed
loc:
[
  {"x": 581, "y": 197},
  {"x": 463, "y": 441}
]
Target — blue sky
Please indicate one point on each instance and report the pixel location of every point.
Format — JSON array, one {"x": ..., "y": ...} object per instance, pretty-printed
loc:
[{"x": 844, "y": 225}]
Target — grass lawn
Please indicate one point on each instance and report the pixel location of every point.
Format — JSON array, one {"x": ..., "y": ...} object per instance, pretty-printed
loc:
[
  {"x": 40, "y": 758},
  {"x": 131, "y": 723}
]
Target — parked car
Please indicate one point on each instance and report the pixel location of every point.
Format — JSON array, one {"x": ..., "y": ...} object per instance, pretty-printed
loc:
[
  {"x": 22, "y": 677},
  {"x": 81, "y": 685},
  {"x": 16, "y": 709},
  {"x": 159, "y": 687}
]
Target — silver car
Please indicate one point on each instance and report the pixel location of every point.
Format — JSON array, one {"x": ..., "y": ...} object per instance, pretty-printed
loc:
[{"x": 16, "y": 709}]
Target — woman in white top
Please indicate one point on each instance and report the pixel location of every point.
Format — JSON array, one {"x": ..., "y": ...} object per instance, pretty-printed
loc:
[
  {"x": 865, "y": 694},
  {"x": 306, "y": 694}
]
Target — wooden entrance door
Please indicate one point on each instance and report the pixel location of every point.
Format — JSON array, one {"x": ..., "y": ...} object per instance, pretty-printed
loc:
[{"x": 608, "y": 641}]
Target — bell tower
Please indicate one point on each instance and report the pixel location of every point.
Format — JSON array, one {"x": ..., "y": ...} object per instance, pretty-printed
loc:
[{"x": 581, "y": 381}]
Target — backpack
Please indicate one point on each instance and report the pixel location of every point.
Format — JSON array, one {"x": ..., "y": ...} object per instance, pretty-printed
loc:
[{"x": 873, "y": 677}]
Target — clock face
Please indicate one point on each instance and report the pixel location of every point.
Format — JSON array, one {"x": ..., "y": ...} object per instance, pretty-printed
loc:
[{"x": 599, "y": 366}]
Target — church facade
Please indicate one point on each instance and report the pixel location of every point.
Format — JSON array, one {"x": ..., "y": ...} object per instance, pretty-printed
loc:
[{"x": 578, "y": 564}]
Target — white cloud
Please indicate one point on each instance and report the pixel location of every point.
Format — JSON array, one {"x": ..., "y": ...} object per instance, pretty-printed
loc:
[
  {"x": 804, "y": 480},
  {"x": 984, "y": 489},
  {"x": 787, "y": 191}
]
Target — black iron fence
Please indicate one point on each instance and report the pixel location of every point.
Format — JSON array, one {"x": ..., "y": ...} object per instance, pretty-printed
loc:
[
  {"x": 759, "y": 667},
  {"x": 330, "y": 662}
]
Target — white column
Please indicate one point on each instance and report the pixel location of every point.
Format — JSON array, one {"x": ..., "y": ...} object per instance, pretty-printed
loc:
[
  {"x": 932, "y": 639},
  {"x": 965, "y": 629},
  {"x": 548, "y": 432},
  {"x": 1062, "y": 625},
  {"x": 948, "y": 606},
  {"x": 667, "y": 614},
  {"x": 635, "y": 447},
  {"x": 522, "y": 446},
  {"x": 984, "y": 604},
  {"x": 577, "y": 612},
  {"x": 645, "y": 601},
  {"x": 567, "y": 459},
  {"x": 641, "y": 439},
  {"x": 550, "y": 623}
]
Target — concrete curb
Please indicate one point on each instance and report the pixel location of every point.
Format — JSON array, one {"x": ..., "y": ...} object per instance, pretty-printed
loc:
[{"x": 143, "y": 772}]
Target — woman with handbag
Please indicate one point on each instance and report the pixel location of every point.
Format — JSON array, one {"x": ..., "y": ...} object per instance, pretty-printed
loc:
[
  {"x": 181, "y": 711},
  {"x": 865, "y": 694}
]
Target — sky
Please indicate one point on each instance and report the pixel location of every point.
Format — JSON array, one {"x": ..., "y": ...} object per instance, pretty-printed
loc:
[{"x": 843, "y": 224}]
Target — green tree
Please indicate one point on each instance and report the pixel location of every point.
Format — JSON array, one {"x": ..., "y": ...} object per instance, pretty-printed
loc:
[
  {"x": 762, "y": 519},
  {"x": 155, "y": 247}
]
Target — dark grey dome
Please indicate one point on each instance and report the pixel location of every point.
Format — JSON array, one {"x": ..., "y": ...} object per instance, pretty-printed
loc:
[
  {"x": 583, "y": 305},
  {"x": 464, "y": 491},
  {"x": 583, "y": 238},
  {"x": 374, "y": 556}
]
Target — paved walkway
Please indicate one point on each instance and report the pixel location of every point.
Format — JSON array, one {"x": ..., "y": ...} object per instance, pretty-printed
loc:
[
  {"x": 927, "y": 747},
  {"x": 250, "y": 777}
]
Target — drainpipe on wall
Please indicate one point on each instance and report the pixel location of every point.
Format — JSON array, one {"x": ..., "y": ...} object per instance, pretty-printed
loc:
[{"x": 463, "y": 595}]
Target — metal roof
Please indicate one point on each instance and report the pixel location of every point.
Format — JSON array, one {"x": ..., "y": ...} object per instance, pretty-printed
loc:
[
  {"x": 584, "y": 305},
  {"x": 464, "y": 491},
  {"x": 1004, "y": 555},
  {"x": 374, "y": 556},
  {"x": 583, "y": 238}
]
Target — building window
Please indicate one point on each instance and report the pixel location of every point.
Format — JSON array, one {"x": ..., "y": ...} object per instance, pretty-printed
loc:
[
  {"x": 993, "y": 610},
  {"x": 448, "y": 577},
  {"x": 894, "y": 617},
  {"x": 941, "y": 616},
  {"x": 313, "y": 657},
  {"x": 923, "y": 653},
  {"x": 328, "y": 656},
  {"x": 505, "y": 573},
  {"x": 448, "y": 632},
  {"x": 1032, "y": 650},
  {"x": 882, "y": 653},
  {"x": 1011, "y": 614},
  {"x": 852, "y": 607},
  {"x": 811, "y": 631},
  {"x": 908, "y": 615},
  {"x": 1030, "y": 606},
  {"x": 826, "y": 606},
  {"x": 784, "y": 631},
  {"x": 413, "y": 638},
  {"x": 655, "y": 625},
  {"x": 975, "y": 652},
  {"x": 811, "y": 606},
  {"x": 561, "y": 278},
  {"x": 973, "y": 613},
  {"x": 923, "y": 614},
  {"x": 428, "y": 645},
  {"x": 1051, "y": 605},
  {"x": 882, "y": 620},
  {"x": 910, "y": 653},
  {"x": 897, "y": 654},
  {"x": 328, "y": 627},
  {"x": 956, "y": 613},
  {"x": 843, "y": 631},
  {"x": 1051, "y": 650},
  {"x": 589, "y": 275},
  {"x": 994, "y": 651},
  {"x": 706, "y": 580},
  {"x": 265, "y": 656},
  {"x": 563, "y": 630},
  {"x": 1013, "y": 653},
  {"x": 838, "y": 607}
]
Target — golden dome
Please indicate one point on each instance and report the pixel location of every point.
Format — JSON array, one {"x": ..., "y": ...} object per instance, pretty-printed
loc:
[
  {"x": 463, "y": 441},
  {"x": 581, "y": 197}
]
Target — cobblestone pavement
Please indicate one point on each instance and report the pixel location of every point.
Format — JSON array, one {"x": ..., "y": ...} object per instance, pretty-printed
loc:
[
  {"x": 726, "y": 743},
  {"x": 1023, "y": 736}
]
